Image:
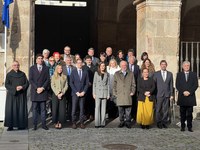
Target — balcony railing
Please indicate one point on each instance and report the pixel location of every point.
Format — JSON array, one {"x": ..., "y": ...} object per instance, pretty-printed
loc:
[{"x": 190, "y": 51}]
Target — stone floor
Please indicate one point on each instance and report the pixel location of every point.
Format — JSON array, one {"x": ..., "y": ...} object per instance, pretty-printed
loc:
[{"x": 101, "y": 138}]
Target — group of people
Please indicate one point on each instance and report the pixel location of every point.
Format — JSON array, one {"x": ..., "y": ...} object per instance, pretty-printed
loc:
[{"x": 88, "y": 89}]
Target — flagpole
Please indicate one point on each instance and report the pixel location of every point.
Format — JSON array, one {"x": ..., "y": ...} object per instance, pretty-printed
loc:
[{"x": 5, "y": 52}]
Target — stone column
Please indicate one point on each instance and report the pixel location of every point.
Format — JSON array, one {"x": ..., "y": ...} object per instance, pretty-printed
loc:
[
  {"x": 158, "y": 30},
  {"x": 19, "y": 36}
]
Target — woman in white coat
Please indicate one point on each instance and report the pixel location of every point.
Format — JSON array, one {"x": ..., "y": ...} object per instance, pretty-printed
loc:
[
  {"x": 101, "y": 94},
  {"x": 111, "y": 69}
]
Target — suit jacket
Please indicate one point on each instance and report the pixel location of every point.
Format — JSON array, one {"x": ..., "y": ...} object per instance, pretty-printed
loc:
[
  {"x": 101, "y": 87},
  {"x": 65, "y": 72},
  {"x": 123, "y": 86},
  {"x": 182, "y": 85},
  {"x": 146, "y": 85},
  {"x": 90, "y": 71},
  {"x": 78, "y": 85},
  {"x": 36, "y": 80},
  {"x": 164, "y": 88},
  {"x": 59, "y": 85},
  {"x": 136, "y": 71},
  {"x": 95, "y": 61}
]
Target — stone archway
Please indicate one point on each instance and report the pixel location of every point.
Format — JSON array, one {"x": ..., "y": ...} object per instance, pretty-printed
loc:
[
  {"x": 126, "y": 28},
  {"x": 190, "y": 25},
  {"x": 190, "y": 35}
]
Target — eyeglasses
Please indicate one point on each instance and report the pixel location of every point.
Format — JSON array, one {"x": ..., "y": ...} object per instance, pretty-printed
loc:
[
  {"x": 16, "y": 65},
  {"x": 51, "y": 60}
]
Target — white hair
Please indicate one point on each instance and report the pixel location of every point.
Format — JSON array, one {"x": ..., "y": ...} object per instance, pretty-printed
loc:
[
  {"x": 186, "y": 62},
  {"x": 45, "y": 51}
]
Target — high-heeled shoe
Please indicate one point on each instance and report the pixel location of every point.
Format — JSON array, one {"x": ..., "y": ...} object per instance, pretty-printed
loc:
[
  {"x": 59, "y": 126},
  {"x": 56, "y": 126}
]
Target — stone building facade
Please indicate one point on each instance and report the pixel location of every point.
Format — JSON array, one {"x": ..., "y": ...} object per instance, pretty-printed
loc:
[{"x": 155, "y": 26}]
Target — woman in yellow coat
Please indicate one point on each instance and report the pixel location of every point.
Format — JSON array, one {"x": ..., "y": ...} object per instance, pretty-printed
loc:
[
  {"x": 146, "y": 96},
  {"x": 59, "y": 86}
]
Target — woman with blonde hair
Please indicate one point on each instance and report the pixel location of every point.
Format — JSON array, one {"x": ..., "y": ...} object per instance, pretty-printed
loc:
[
  {"x": 111, "y": 69},
  {"x": 59, "y": 86},
  {"x": 147, "y": 64}
]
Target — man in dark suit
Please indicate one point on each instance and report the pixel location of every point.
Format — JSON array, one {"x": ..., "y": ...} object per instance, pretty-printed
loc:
[
  {"x": 136, "y": 71},
  {"x": 67, "y": 70},
  {"x": 90, "y": 103},
  {"x": 109, "y": 54},
  {"x": 186, "y": 84},
  {"x": 39, "y": 80},
  {"x": 95, "y": 60},
  {"x": 164, "y": 83},
  {"x": 79, "y": 81}
]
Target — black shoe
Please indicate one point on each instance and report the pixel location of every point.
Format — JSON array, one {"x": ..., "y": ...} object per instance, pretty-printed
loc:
[
  {"x": 147, "y": 127},
  {"x": 182, "y": 129},
  {"x": 128, "y": 126},
  {"x": 21, "y": 128},
  {"x": 159, "y": 126},
  {"x": 102, "y": 126},
  {"x": 97, "y": 126},
  {"x": 35, "y": 127},
  {"x": 45, "y": 128},
  {"x": 165, "y": 126},
  {"x": 121, "y": 125},
  {"x": 10, "y": 129},
  {"x": 190, "y": 130},
  {"x": 142, "y": 126}
]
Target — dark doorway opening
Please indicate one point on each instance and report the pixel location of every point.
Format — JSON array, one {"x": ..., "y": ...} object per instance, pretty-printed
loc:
[{"x": 58, "y": 26}]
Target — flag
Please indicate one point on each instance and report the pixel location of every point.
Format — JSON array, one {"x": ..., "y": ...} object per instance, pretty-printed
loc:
[{"x": 5, "y": 13}]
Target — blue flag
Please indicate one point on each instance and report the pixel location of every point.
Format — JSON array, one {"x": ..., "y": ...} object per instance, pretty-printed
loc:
[{"x": 5, "y": 13}]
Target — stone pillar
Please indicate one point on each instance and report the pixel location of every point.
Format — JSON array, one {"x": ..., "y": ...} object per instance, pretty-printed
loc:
[
  {"x": 19, "y": 36},
  {"x": 158, "y": 30}
]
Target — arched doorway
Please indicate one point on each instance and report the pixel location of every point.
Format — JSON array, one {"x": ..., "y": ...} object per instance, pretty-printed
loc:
[
  {"x": 100, "y": 24},
  {"x": 116, "y": 24},
  {"x": 59, "y": 26},
  {"x": 190, "y": 35},
  {"x": 126, "y": 29}
]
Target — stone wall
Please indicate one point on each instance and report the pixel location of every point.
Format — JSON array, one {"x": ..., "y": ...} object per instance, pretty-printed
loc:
[
  {"x": 18, "y": 39},
  {"x": 158, "y": 31}
]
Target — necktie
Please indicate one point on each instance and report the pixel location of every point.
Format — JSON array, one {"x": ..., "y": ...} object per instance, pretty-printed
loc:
[
  {"x": 163, "y": 75},
  {"x": 186, "y": 76},
  {"x": 68, "y": 70},
  {"x": 131, "y": 67},
  {"x": 80, "y": 74},
  {"x": 39, "y": 69}
]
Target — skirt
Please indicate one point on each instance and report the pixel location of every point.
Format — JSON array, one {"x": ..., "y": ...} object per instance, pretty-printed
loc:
[{"x": 145, "y": 112}]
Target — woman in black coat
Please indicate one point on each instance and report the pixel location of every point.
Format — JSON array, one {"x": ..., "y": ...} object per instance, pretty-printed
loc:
[{"x": 146, "y": 88}]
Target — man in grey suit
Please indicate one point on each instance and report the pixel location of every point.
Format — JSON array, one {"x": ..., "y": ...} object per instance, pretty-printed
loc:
[
  {"x": 95, "y": 60},
  {"x": 67, "y": 70},
  {"x": 164, "y": 83}
]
